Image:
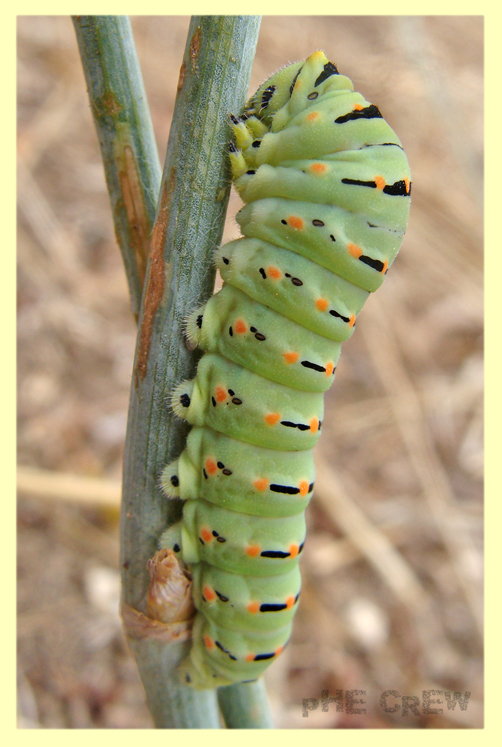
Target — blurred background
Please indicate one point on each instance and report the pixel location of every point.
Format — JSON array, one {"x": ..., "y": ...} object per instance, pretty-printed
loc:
[{"x": 392, "y": 569}]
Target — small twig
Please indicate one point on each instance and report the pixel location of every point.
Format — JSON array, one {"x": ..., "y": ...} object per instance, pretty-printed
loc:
[
  {"x": 245, "y": 706},
  {"x": 42, "y": 483},
  {"x": 125, "y": 133}
]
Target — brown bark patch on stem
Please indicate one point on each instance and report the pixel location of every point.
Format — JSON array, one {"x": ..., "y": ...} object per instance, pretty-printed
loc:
[
  {"x": 182, "y": 75},
  {"x": 156, "y": 278},
  {"x": 109, "y": 105},
  {"x": 139, "y": 224},
  {"x": 195, "y": 42}
]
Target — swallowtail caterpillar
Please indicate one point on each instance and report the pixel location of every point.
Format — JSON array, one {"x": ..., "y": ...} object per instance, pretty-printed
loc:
[{"x": 327, "y": 190}]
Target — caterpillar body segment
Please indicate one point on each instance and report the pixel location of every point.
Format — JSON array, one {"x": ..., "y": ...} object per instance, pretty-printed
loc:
[
  {"x": 305, "y": 292},
  {"x": 254, "y": 336},
  {"x": 234, "y": 401},
  {"x": 241, "y": 543},
  {"x": 327, "y": 190},
  {"x": 322, "y": 131},
  {"x": 263, "y": 603},
  {"x": 315, "y": 181},
  {"x": 341, "y": 241},
  {"x": 220, "y": 655},
  {"x": 252, "y": 480}
]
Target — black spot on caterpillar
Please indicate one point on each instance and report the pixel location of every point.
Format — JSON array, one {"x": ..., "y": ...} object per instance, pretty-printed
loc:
[
  {"x": 367, "y": 112},
  {"x": 329, "y": 69},
  {"x": 267, "y": 95}
]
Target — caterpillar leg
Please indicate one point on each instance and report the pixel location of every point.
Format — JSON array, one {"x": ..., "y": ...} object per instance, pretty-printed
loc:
[
  {"x": 169, "y": 480},
  {"x": 171, "y": 539},
  {"x": 237, "y": 162},
  {"x": 245, "y": 130}
]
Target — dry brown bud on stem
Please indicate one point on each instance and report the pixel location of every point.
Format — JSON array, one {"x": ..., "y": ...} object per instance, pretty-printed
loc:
[{"x": 170, "y": 593}]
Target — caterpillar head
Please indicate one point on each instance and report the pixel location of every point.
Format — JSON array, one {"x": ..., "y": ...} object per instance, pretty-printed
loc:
[
  {"x": 273, "y": 94},
  {"x": 296, "y": 86}
]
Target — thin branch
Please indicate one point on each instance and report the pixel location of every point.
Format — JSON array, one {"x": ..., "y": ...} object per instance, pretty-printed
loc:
[
  {"x": 44, "y": 483},
  {"x": 122, "y": 119},
  {"x": 245, "y": 706}
]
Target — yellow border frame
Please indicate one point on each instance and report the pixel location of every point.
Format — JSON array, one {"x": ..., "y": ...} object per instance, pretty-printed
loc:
[{"x": 491, "y": 735}]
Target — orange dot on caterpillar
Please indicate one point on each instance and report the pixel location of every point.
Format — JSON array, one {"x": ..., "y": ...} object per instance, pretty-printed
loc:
[
  {"x": 295, "y": 222},
  {"x": 206, "y": 534},
  {"x": 291, "y": 357},
  {"x": 314, "y": 425},
  {"x": 211, "y": 466},
  {"x": 322, "y": 304},
  {"x": 274, "y": 273},
  {"x": 272, "y": 418},
  {"x": 304, "y": 487},
  {"x": 208, "y": 593},
  {"x": 354, "y": 250},
  {"x": 220, "y": 394}
]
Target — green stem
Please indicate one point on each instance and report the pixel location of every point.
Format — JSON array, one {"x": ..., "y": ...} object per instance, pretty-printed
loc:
[
  {"x": 195, "y": 185},
  {"x": 245, "y": 706},
  {"x": 125, "y": 134}
]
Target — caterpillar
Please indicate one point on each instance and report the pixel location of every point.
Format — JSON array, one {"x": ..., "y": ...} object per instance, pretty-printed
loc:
[{"x": 326, "y": 187}]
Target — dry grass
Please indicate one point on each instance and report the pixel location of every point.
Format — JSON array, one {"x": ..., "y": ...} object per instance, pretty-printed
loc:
[{"x": 392, "y": 571}]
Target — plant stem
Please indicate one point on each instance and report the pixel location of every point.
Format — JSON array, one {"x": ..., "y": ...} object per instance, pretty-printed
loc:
[
  {"x": 245, "y": 706},
  {"x": 195, "y": 185},
  {"x": 122, "y": 120}
]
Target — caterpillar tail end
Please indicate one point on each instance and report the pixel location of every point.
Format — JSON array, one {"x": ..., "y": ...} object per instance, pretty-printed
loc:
[
  {"x": 191, "y": 676},
  {"x": 194, "y": 670}
]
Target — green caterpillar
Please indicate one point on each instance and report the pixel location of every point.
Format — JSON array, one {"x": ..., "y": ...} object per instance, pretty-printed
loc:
[{"x": 326, "y": 185}]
